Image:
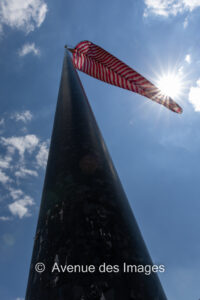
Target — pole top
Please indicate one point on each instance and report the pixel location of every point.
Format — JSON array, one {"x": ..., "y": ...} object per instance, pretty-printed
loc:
[{"x": 69, "y": 48}]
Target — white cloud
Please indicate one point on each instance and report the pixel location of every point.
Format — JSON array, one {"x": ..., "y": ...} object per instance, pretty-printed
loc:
[
  {"x": 185, "y": 24},
  {"x": 22, "y": 157},
  {"x": 2, "y": 121},
  {"x": 188, "y": 58},
  {"x": 24, "y": 116},
  {"x": 20, "y": 207},
  {"x": 4, "y": 178},
  {"x": 3, "y": 218},
  {"x": 5, "y": 162},
  {"x": 22, "y": 143},
  {"x": 15, "y": 194},
  {"x": 22, "y": 172},
  {"x": 162, "y": 7},
  {"x": 29, "y": 48},
  {"x": 20, "y": 299},
  {"x": 170, "y": 7},
  {"x": 194, "y": 96},
  {"x": 179, "y": 139},
  {"x": 24, "y": 15},
  {"x": 42, "y": 155},
  {"x": 8, "y": 239},
  {"x": 191, "y": 4}
]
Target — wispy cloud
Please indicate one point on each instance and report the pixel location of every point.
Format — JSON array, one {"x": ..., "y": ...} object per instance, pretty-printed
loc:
[
  {"x": 8, "y": 239},
  {"x": 15, "y": 193},
  {"x": 29, "y": 48},
  {"x": 24, "y": 15},
  {"x": 185, "y": 23},
  {"x": 3, "y": 218},
  {"x": 5, "y": 162},
  {"x": 188, "y": 58},
  {"x": 2, "y": 124},
  {"x": 170, "y": 7},
  {"x": 22, "y": 172},
  {"x": 194, "y": 96},
  {"x": 22, "y": 156},
  {"x": 4, "y": 178},
  {"x": 21, "y": 143},
  {"x": 24, "y": 116},
  {"x": 42, "y": 155},
  {"x": 180, "y": 139}
]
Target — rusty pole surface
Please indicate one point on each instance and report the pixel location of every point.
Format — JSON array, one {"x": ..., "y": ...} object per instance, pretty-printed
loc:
[{"x": 85, "y": 218}]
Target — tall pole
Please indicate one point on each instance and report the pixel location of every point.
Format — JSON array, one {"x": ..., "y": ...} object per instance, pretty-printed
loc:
[{"x": 85, "y": 219}]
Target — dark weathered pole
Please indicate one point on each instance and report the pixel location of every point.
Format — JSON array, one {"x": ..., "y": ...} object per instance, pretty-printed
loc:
[{"x": 85, "y": 218}]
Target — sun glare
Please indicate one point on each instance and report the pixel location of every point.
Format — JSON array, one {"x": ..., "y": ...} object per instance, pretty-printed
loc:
[{"x": 170, "y": 85}]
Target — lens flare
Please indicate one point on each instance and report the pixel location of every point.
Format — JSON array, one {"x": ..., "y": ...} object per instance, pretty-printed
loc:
[{"x": 170, "y": 85}]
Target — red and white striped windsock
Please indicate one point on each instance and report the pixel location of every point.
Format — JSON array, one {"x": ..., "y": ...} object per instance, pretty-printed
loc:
[{"x": 96, "y": 62}]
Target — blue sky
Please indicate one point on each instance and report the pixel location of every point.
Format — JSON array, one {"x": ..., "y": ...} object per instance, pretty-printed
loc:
[{"x": 155, "y": 151}]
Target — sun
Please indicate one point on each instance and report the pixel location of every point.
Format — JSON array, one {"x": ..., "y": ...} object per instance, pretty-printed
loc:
[{"x": 170, "y": 84}]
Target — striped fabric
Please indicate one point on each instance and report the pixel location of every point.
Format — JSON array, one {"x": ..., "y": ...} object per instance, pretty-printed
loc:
[{"x": 98, "y": 63}]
